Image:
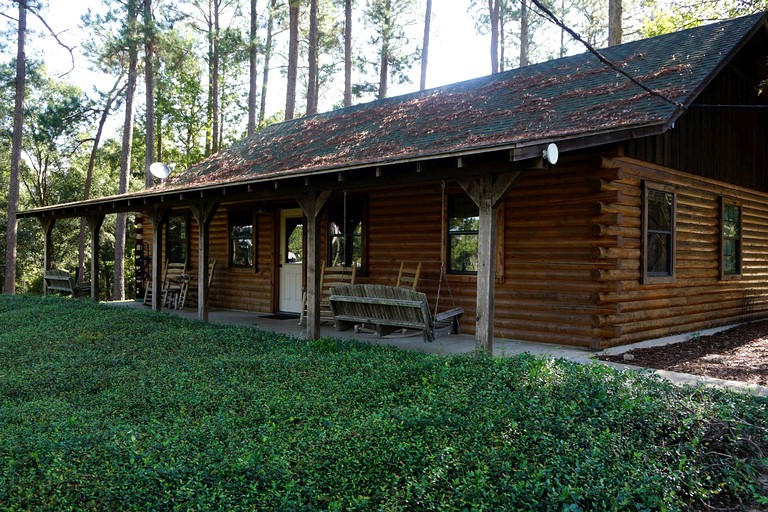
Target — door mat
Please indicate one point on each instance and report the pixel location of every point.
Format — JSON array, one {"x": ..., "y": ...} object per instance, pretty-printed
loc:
[{"x": 282, "y": 316}]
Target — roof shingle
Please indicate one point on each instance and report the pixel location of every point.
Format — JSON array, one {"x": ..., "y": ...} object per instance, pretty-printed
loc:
[{"x": 565, "y": 98}]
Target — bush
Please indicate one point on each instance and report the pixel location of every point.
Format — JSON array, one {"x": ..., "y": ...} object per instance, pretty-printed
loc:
[{"x": 106, "y": 408}]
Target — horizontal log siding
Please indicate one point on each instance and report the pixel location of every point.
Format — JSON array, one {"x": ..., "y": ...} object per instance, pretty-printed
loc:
[
  {"x": 698, "y": 299},
  {"x": 242, "y": 288},
  {"x": 553, "y": 230},
  {"x": 404, "y": 225},
  {"x": 231, "y": 288}
]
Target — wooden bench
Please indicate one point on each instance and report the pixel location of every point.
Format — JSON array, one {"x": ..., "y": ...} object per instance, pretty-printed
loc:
[
  {"x": 61, "y": 281},
  {"x": 388, "y": 308}
]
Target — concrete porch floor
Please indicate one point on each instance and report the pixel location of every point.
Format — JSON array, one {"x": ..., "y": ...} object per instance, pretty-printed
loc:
[
  {"x": 445, "y": 342},
  {"x": 448, "y": 344}
]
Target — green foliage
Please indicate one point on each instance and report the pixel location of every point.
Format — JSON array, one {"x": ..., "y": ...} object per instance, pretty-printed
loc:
[
  {"x": 684, "y": 14},
  {"x": 107, "y": 408}
]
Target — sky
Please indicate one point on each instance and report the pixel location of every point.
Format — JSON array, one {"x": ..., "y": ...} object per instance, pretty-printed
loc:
[{"x": 456, "y": 52}]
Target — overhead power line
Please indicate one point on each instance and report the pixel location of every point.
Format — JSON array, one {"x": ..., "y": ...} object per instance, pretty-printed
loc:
[{"x": 547, "y": 14}]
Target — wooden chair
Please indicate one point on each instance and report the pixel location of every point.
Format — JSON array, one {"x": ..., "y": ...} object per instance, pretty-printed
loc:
[
  {"x": 408, "y": 278},
  {"x": 193, "y": 294},
  {"x": 148, "y": 285},
  {"x": 329, "y": 276},
  {"x": 172, "y": 283}
]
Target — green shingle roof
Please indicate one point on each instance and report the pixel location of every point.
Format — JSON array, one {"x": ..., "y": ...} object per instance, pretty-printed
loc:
[{"x": 567, "y": 98}]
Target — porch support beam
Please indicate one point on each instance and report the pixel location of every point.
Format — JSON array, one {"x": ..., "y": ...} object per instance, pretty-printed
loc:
[
  {"x": 487, "y": 192},
  {"x": 94, "y": 225},
  {"x": 312, "y": 204},
  {"x": 203, "y": 214},
  {"x": 158, "y": 216},
  {"x": 47, "y": 223}
]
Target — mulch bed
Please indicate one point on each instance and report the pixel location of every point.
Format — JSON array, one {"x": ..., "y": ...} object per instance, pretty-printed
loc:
[{"x": 740, "y": 354}]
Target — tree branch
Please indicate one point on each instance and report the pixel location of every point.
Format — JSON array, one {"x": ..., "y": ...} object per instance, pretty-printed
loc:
[{"x": 56, "y": 37}]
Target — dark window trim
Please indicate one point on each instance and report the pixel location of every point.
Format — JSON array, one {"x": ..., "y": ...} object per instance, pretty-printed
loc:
[
  {"x": 647, "y": 278},
  {"x": 725, "y": 202},
  {"x": 240, "y": 210},
  {"x": 187, "y": 232}
]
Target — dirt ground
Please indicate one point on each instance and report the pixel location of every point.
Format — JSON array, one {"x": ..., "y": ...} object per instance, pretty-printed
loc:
[{"x": 740, "y": 353}]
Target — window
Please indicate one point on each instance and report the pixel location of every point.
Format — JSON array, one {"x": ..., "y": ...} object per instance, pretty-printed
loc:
[
  {"x": 176, "y": 239},
  {"x": 659, "y": 235},
  {"x": 346, "y": 239},
  {"x": 294, "y": 240},
  {"x": 730, "y": 230},
  {"x": 241, "y": 239},
  {"x": 463, "y": 234}
]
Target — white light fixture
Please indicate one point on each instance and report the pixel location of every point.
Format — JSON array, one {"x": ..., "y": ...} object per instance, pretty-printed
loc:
[
  {"x": 160, "y": 170},
  {"x": 551, "y": 154}
]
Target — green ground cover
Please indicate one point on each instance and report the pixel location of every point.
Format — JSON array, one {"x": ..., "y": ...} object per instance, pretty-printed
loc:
[{"x": 107, "y": 408}]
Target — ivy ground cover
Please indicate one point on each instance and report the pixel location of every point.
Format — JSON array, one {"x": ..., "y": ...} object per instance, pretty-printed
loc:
[{"x": 107, "y": 408}]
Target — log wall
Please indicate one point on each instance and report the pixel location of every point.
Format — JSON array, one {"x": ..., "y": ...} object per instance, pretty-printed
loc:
[
  {"x": 698, "y": 299},
  {"x": 571, "y": 255}
]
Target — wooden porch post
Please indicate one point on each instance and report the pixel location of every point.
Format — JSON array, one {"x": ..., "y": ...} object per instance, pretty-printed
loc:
[
  {"x": 94, "y": 224},
  {"x": 487, "y": 193},
  {"x": 158, "y": 216},
  {"x": 203, "y": 214},
  {"x": 312, "y": 204},
  {"x": 47, "y": 247}
]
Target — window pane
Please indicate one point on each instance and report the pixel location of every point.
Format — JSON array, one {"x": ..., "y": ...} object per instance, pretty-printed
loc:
[
  {"x": 241, "y": 232},
  {"x": 463, "y": 253},
  {"x": 731, "y": 221},
  {"x": 731, "y": 239},
  {"x": 294, "y": 239},
  {"x": 463, "y": 228},
  {"x": 177, "y": 239},
  {"x": 659, "y": 211},
  {"x": 464, "y": 215},
  {"x": 731, "y": 256},
  {"x": 345, "y": 242},
  {"x": 659, "y": 254}
]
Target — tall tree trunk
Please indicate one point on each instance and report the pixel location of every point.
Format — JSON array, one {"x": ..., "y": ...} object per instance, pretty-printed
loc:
[
  {"x": 293, "y": 58},
  {"x": 425, "y": 46},
  {"x": 383, "y": 74},
  {"x": 493, "y": 11},
  {"x": 348, "y": 53},
  {"x": 615, "y": 31},
  {"x": 253, "y": 71},
  {"x": 125, "y": 153},
  {"x": 267, "y": 56},
  {"x": 313, "y": 64},
  {"x": 216, "y": 142},
  {"x": 562, "y": 30},
  {"x": 149, "y": 82},
  {"x": 11, "y": 236},
  {"x": 113, "y": 93},
  {"x": 524, "y": 26},
  {"x": 385, "y": 51},
  {"x": 502, "y": 37},
  {"x": 209, "y": 103}
]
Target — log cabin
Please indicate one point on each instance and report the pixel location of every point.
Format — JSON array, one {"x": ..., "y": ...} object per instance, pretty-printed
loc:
[{"x": 589, "y": 201}]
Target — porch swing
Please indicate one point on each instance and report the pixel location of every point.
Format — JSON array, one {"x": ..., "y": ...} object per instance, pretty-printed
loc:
[{"x": 389, "y": 308}]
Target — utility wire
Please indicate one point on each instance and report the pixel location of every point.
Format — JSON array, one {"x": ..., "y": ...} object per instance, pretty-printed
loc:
[{"x": 554, "y": 19}]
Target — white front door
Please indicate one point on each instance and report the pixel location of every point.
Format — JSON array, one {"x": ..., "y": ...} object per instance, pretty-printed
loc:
[{"x": 291, "y": 260}]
